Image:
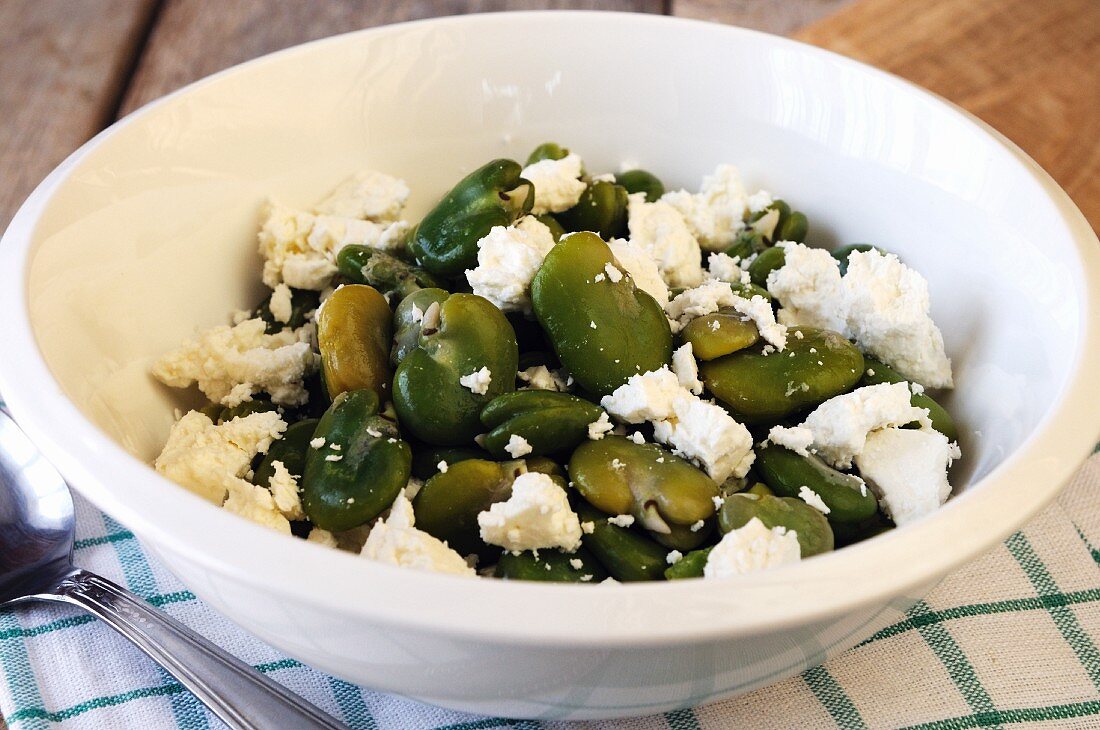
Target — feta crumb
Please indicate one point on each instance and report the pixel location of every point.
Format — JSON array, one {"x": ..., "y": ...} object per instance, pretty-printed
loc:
[
  {"x": 718, "y": 502},
  {"x": 284, "y": 490},
  {"x": 758, "y": 201},
  {"x": 507, "y": 261},
  {"x": 396, "y": 541},
  {"x": 442, "y": 467},
  {"x": 317, "y": 443},
  {"x": 612, "y": 273},
  {"x": 557, "y": 187},
  {"x": 477, "y": 382},
  {"x": 255, "y": 504},
  {"x": 517, "y": 446},
  {"x": 541, "y": 377},
  {"x": 809, "y": 288},
  {"x": 588, "y": 527},
  {"x": 674, "y": 557},
  {"x": 907, "y": 471},
  {"x": 230, "y": 362},
  {"x": 796, "y": 438},
  {"x": 637, "y": 438},
  {"x": 576, "y": 563},
  {"x": 333, "y": 457},
  {"x": 368, "y": 195},
  {"x": 813, "y": 499},
  {"x": 322, "y": 537},
  {"x": 840, "y": 425},
  {"x": 209, "y": 459},
  {"x": 592, "y": 324},
  {"x": 621, "y": 520},
  {"x": 713, "y": 295},
  {"x": 696, "y": 526},
  {"x": 600, "y": 427},
  {"x": 715, "y": 213},
  {"x": 660, "y": 231},
  {"x": 706, "y": 434},
  {"x": 598, "y": 278},
  {"x": 723, "y": 267},
  {"x": 642, "y": 268},
  {"x": 617, "y": 464},
  {"x": 280, "y": 304},
  {"x": 686, "y": 369},
  {"x": 750, "y": 548},
  {"x": 644, "y": 397},
  {"x": 537, "y": 515}
]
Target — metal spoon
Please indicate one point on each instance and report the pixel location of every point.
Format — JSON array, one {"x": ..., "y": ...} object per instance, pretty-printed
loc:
[{"x": 37, "y": 523}]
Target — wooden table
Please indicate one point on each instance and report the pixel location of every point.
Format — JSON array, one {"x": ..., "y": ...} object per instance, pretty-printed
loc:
[{"x": 69, "y": 68}]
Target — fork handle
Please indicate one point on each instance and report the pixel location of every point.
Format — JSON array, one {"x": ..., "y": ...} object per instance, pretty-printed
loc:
[{"x": 238, "y": 694}]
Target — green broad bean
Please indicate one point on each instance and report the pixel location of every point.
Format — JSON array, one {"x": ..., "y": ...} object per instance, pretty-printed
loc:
[
  {"x": 388, "y": 274},
  {"x": 761, "y": 489},
  {"x": 765, "y": 263},
  {"x": 842, "y": 253},
  {"x": 665, "y": 494},
  {"x": 354, "y": 328},
  {"x": 626, "y": 554},
  {"x": 351, "y": 485},
  {"x": 445, "y": 241},
  {"x": 457, "y": 339},
  {"x": 246, "y": 408},
  {"x": 814, "y": 534},
  {"x": 601, "y": 209},
  {"x": 426, "y": 458},
  {"x": 641, "y": 181},
  {"x": 448, "y": 504},
  {"x": 724, "y": 332},
  {"x": 689, "y": 566},
  {"x": 550, "y": 565},
  {"x": 760, "y": 388},
  {"x": 786, "y": 473},
  {"x": 602, "y": 331},
  {"x": 876, "y": 372},
  {"x": 849, "y": 534},
  {"x": 546, "y": 151},
  {"x": 407, "y": 317},
  {"x": 549, "y": 422},
  {"x": 291, "y": 450},
  {"x": 556, "y": 228}
]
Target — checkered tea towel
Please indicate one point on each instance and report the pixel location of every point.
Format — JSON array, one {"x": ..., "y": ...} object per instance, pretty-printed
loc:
[{"x": 1008, "y": 641}]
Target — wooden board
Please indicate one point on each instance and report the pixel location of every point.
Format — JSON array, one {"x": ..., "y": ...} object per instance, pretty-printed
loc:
[
  {"x": 63, "y": 67},
  {"x": 1030, "y": 68}
]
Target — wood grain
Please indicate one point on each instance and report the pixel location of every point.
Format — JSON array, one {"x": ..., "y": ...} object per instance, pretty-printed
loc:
[
  {"x": 774, "y": 16},
  {"x": 189, "y": 41},
  {"x": 63, "y": 66},
  {"x": 1030, "y": 69}
]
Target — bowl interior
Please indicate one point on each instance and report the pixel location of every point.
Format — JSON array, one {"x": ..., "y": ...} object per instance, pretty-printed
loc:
[{"x": 148, "y": 235}]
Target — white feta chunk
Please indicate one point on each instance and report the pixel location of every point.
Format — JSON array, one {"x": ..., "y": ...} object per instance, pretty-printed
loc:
[
  {"x": 396, "y": 541},
  {"x": 750, "y": 548},
  {"x": 285, "y": 491},
  {"x": 368, "y": 195},
  {"x": 686, "y": 368},
  {"x": 507, "y": 261},
  {"x": 759, "y": 201},
  {"x": 322, "y": 537},
  {"x": 724, "y": 267},
  {"x": 706, "y": 434},
  {"x": 600, "y": 427},
  {"x": 557, "y": 187},
  {"x": 621, "y": 520},
  {"x": 536, "y": 516},
  {"x": 813, "y": 499},
  {"x": 660, "y": 231},
  {"x": 255, "y": 504},
  {"x": 517, "y": 446},
  {"x": 715, "y": 214},
  {"x": 477, "y": 382},
  {"x": 541, "y": 377},
  {"x": 809, "y": 289},
  {"x": 907, "y": 471},
  {"x": 223, "y": 358},
  {"x": 280, "y": 304},
  {"x": 644, "y": 397},
  {"x": 642, "y": 268}
]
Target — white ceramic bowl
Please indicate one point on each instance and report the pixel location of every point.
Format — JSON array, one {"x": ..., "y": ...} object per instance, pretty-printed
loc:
[{"x": 148, "y": 232}]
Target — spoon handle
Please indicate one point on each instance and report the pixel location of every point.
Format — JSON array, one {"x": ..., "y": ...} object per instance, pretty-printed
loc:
[{"x": 238, "y": 694}]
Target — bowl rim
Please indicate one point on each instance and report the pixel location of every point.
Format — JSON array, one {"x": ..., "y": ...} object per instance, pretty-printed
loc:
[{"x": 812, "y": 590}]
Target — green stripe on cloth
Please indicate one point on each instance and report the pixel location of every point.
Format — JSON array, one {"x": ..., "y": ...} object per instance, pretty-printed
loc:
[
  {"x": 16, "y": 666},
  {"x": 489, "y": 723},
  {"x": 349, "y": 698},
  {"x": 64, "y": 623},
  {"x": 1042, "y": 602},
  {"x": 1063, "y": 617},
  {"x": 1002, "y": 717},
  {"x": 836, "y": 701},
  {"x": 187, "y": 710},
  {"x": 682, "y": 720},
  {"x": 79, "y": 709},
  {"x": 956, "y": 663},
  {"x": 103, "y": 540},
  {"x": 1092, "y": 551}
]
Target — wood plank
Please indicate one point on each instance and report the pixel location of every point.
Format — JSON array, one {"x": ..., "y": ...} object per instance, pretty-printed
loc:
[
  {"x": 781, "y": 17},
  {"x": 64, "y": 67},
  {"x": 189, "y": 41},
  {"x": 1030, "y": 69}
]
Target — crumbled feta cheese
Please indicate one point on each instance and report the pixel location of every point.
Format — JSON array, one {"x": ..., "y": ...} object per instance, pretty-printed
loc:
[
  {"x": 917, "y": 388},
  {"x": 907, "y": 470},
  {"x": 715, "y": 213},
  {"x": 660, "y": 231},
  {"x": 809, "y": 288},
  {"x": 284, "y": 490},
  {"x": 598, "y": 278},
  {"x": 642, "y": 268},
  {"x": 442, "y": 467},
  {"x": 612, "y": 273},
  {"x": 557, "y": 187},
  {"x": 280, "y": 304},
  {"x": 686, "y": 369},
  {"x": 255, "y": 504},
  {"x": 369, "y": 195},
  {"x": 637, "y": 438},
  {"x": 718, "y": 502},
  {"x": 333, "y": 457},
  {"x": 224, "y": 358},
  {"x": 706, "y": 434},
  {"x": 507, "y": 260},
  {"x": 300, "y": 248},
  {"x": 750, "y": 548},
  {"x": 723, "y": 267},
  {"x": 576, "y": 563},
  {"x": 714, "y": 295},
  {"x": 674, "y": 557},
  {"x": 322, "y": 537},
  {"x": 396, "y": 541},
  {"x": 621, "y": 520},
  {"x": 698, "y": 525},
  {"x": 840, "y": 425},
  {"x": 541, "y": 377},
  {"x": 588, "y": 527},
  {"x": 537, "y": 515},
  {"x": 796, "y": 438},
  {"x": 316, "y": 443},
  {"x": 208, "y": 459},
  {"x": 758, "y": 201},
  {"x": 888, "y": 317},
  {"x": 477, "y": 382},
  {"x": 600, "y": 427},
  {"x": 644, "y": 397},
  {"x": 517, "y": 446},
  {"x": 813, "y": 499}
]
